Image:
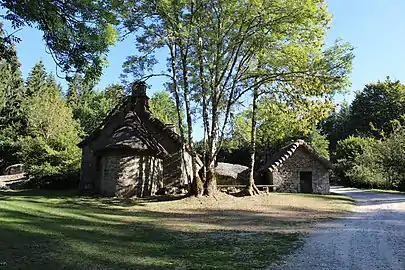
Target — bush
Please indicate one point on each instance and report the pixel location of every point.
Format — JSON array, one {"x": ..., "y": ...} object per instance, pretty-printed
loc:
[
  {"x": 346, "y": 152},
  {"x": 376, "y": 164},
  {"x": 366, "y": 170},
  {"x": 49, "y": 150}
]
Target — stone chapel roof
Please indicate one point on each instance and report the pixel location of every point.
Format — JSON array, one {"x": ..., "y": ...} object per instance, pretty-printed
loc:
[
  {"x": 139, "y": 130},
  {"x": 286, "y": 152}
]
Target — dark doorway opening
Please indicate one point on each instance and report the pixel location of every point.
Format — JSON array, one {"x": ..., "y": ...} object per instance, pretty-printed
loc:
[{"x": 306, "y": 182}]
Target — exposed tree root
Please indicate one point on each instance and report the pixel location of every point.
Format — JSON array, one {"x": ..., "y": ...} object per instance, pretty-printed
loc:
[{"x": 252, "y": 190}]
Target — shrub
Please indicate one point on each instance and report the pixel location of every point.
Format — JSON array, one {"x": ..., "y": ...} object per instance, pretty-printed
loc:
[
  {"x": 380, "y": 164},
  {"x": 49, "y": 150},
  {"x": 346, "y": 152}
]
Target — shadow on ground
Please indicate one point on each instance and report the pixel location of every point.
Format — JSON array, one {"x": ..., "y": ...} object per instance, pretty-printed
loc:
[{"x": 53, "y": 230}]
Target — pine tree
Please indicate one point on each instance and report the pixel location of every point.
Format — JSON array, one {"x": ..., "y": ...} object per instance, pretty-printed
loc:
[
  {"x": 49, "y": 149},
  {"x": 11, "y": 115},
  {"x": 37, "y": 79},
  {"x": 75, "y": 89},
  {"x": 90, "y": 107}
]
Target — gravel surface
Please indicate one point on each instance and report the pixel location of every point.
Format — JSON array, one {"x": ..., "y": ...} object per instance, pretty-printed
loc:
[{"x": 373, "y": 237}]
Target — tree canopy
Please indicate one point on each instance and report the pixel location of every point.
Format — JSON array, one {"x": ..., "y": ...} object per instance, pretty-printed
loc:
[
  {"x": 77, "y": 33},
  {"x": 380, "y": 107},
  {"x": 219, "y": 51}
]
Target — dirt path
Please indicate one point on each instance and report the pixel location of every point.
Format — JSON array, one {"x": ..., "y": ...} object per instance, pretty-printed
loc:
[{"x": 371, "y": 238}]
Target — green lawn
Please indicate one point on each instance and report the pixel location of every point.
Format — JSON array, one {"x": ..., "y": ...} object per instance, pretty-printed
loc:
[{"x": 41, "y": 230}]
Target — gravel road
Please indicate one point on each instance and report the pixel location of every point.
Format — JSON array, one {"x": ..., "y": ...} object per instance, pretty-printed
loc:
[{"x": 373, "y": 237}]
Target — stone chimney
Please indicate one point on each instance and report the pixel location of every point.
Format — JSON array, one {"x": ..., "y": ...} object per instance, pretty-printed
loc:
[{"x": 139, "y": 97}]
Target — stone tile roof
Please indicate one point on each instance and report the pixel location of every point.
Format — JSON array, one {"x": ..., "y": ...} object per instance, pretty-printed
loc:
[
  {"x": 133, "y": 135},
  {"x": 230, "y": 170},
  {"x": 140, "y": 125},
  {"x": 279, "y": 157}
]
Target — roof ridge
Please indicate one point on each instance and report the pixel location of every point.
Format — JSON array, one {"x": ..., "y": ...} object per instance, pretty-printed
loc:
[
  {"x": 144, "y": 116},
  {"x": 286, "y": 152}
]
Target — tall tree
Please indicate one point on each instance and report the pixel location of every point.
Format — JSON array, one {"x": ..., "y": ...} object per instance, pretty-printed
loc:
[
  {"x": 11, "y": 112},
  {"x": 218, "y": 65},
  {"x": 49, "y": 148},
  {"x": 7, "y": 50},
  {"x": 279, "y": 121},
  {"x": 374, "y": 109},
  {"x": 251, "y": 187},
  {"x": 37, "y": 80},
  {"x": 164, "y": 108},
  {"x": 89, "y": 106},
  {"x": 336, "y": 127}
]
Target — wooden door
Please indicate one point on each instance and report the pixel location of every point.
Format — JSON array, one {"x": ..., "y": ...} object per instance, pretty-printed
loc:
[{"x": 306, "y": 182}]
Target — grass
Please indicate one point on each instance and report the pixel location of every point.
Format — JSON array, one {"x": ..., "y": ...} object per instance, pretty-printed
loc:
[
  {"x": 385, "y": 191},
  {"x": 392, "y": 191},
  {"x": 48, "y": 230}
]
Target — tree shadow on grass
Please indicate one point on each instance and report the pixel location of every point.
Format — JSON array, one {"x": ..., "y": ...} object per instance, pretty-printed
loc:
[
  {"x": 74, "y": 196},
  {"x": 59, "y": 232}
]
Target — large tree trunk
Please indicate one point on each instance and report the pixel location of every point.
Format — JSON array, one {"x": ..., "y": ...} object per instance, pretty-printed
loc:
[
  {"x": 172, "y": 50},
  {"x": 197, "y": 187},
  {"x": 211, "y": 182},
  {"x": 251, "y": 187},
  {"x": 204, "y": 104}
]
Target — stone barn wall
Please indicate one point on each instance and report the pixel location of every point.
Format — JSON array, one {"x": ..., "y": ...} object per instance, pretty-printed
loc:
[
  {"x": 287, "y": 175},
  {"x": 126, "y": 176},
  {"x": 91, "y": 164},
  {"x": 177, "y": 172}
]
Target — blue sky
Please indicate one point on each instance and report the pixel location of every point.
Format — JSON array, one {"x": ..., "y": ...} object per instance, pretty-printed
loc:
[{"x": 376, "y": 29}]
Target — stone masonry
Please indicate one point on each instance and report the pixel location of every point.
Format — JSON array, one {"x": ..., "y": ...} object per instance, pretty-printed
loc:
[{"x": 287, "y": 175}]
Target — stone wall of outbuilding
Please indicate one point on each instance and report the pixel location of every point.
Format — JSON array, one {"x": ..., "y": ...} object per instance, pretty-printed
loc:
[
  {"x": 287, "y": 175},
  {"x": 177, "y": 171},
  {"x": 127, "y": 176}
]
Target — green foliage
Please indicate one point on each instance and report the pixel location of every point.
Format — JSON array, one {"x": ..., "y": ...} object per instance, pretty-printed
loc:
[
  {"x": 279, "y": 122},
  {"x": 347, "y": 151},
  {"x": 366, "y": 171},
  {"x": 11, "y": 114},
  {"x": 40, "y": 127},
  {"x": 89, "y": 106},
  {"x": 336, "y": 127},
  {"x": 319, "y": 142},
  {"x": 377, "y": 110},
  {"x": 382, "y": 165},
  {"x": 49, "y": 148},
  {"x": 7, "y": 50},
  {"x": 376, "y": 160},
  {"x": 37, "y": 80},
  {"x": 374, "y": 110},
  {"x": 78, "y": 33},
  {"x": 164, "y": 108},
  {"x": 221, "y": 50}
]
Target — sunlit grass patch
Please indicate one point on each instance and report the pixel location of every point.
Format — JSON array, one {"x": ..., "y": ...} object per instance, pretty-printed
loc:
[{"x": 53, "y": 230}]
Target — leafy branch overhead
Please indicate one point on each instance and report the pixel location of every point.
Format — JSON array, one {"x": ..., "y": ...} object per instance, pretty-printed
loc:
[{"x": 77, "y": 33}]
